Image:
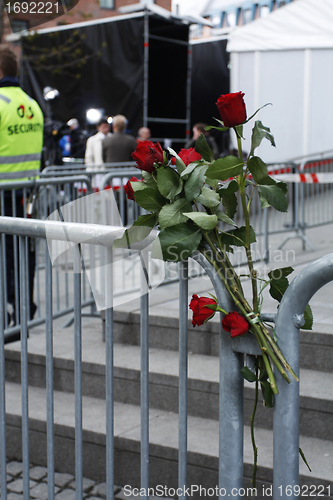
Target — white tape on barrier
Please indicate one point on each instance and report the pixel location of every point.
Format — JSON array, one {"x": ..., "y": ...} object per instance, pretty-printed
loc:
[{"x": 323, "y": 178}]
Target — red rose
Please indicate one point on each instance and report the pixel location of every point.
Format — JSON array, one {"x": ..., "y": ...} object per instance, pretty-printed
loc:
[
  {"x": 188, "y": 156},
  {"x": 235, "y": 324},
  {"x": 128, "y": 188},
  {"x": 201, "y": 313},
  {"x": 232, "y": 109},
  {"x": 146, "y": 154}
]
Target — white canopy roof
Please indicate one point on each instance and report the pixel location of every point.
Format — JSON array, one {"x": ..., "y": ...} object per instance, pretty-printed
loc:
[{"x": 298, "y": 25}]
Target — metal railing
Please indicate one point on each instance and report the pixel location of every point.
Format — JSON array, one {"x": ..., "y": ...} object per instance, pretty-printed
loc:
[{"x": 288, "y": 321}]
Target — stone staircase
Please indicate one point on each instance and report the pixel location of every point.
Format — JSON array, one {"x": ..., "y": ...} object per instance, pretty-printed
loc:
[{"x": 316, "y": 405}]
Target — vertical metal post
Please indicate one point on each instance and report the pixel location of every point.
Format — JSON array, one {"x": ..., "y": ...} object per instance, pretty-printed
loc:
[
  {"x": 49, "y": 375},
  {"x": 145, "y": 68},
  {"x": 183, "y": 374},
  {"x": 16, "y": 270},
  {"x": 231, "y": 388},
  {"x": 78, "y": 373},
  {"x": 144, "y": 347},
  {"x": 108, "y": 267},
  {"x": 3, "y": 448},
  {"x": 188, "y": 91},
  {"x": 24, "y": 368}
]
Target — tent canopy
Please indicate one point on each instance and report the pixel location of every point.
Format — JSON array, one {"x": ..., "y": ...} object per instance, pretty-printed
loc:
[{"x": 298, "y": 25}]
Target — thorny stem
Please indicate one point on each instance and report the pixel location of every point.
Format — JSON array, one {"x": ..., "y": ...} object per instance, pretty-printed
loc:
[
  {"x": 254, "y": 446},
  {"x": 253, "y": 273}
]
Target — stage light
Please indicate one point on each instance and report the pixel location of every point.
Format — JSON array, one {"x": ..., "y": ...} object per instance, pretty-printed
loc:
[
  {"x": 93, "y": 115},
  {"x": 50, "y": 93}
]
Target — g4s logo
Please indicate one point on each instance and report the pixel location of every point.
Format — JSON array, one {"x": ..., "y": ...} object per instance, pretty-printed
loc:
[{"x": 21, "y": 112}]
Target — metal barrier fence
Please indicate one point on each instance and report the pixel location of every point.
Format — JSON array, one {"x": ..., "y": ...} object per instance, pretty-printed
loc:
[
  {"x": 310, "y": 201},
  {"x": 288, "y": 321}
]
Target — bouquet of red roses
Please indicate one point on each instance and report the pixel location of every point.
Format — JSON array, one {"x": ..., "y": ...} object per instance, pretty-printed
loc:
[{"x": 191, "y": 198}]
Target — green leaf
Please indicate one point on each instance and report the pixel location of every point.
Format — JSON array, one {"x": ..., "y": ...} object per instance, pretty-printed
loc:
[
  {"x": 273, "y": 196},
  {"x": 177, "y": 242},
  {"x": 279, "y": 282},
  {"x": 237, "y": 237},
  {"x": 203, "y": 220},
  {"x": 248, "y": 375},
  {"x": 150, "y": 199},
  {"x": 189, "y": 169},
  {"x": 230, "y": 203},
  {"x": 180, "y": 165},
  {"x": 138, "y": 186},
  {"x": 224, "y": 218},
  {"x": 169, "y": 182},
  {"x": 228, "y": 187},
  {"x": 267, "y": 393},
  {"x": 259, "y": 132},
  {"x": 254, "y": 114},
  {"x": 222, "y": 129},
  {"x": 209, "y": 198},
  {"x": 172, "y": 214},
  {"x": 259, "y": 171},
  {"x": 202, "y": 147},
  {"x": 308, "y": 316},
  {"x": 223, "y": 168},
  {"x": 148, "y": 179},
  {"x": 139, "y": 230},
  {"x": 195, "y": 182}
]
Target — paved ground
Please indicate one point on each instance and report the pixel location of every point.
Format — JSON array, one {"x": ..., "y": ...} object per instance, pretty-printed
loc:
[{"x": 64, "y": 485}]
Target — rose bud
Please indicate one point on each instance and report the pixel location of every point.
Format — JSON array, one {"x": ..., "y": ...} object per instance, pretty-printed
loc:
[
  {"x": 232, "y": 109},
  {"x": 201, "y": 313},
  {"x": 146, "y": 154},
  {"x": 189, "y": 156},
  {"x": 235, "y": 324},
  {"x": 128, "y": 188}
]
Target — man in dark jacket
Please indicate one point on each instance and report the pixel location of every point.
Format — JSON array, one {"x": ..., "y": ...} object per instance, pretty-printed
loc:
[{"x": 119, "y": 146}]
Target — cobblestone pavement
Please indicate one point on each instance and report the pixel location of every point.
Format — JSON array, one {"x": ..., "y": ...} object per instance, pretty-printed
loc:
[{"x": 64, "y": 485}]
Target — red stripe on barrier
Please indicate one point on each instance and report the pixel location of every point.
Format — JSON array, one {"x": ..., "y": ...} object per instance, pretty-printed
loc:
[
  {"x": 302, "y": 177},
  {"x": 314, "y": 178}
]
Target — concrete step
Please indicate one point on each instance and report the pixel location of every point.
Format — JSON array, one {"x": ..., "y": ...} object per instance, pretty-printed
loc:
[
  {"x": 316, "y": 401},
  {"x": 163, "y": 432}
]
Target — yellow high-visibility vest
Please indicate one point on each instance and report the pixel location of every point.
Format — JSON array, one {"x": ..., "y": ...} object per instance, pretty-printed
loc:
[{"x": 21, "y": 135}]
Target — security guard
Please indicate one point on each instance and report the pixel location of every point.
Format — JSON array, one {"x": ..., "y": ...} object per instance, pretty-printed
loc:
[{"x": 21, "y": 142}]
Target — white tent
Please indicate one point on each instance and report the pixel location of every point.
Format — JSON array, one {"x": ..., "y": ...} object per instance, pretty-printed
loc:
[{"x": 286, "y": 59}]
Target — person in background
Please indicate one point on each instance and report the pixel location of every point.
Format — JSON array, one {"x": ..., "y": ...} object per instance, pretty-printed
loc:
[
  {"x": 144, "y": 134},
  {"x": 21, "y": 143},
  {"x": 119, "y": 146},
  {"x": 199, "y": 128},
  {"x": 78, "y": 138},
  {"x": 93, "y": 157}
]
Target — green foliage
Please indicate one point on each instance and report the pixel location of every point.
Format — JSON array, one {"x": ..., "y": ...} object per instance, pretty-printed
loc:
[
  {"x": 202, "y": 147},
  {"x": 173, "y": 214},
  {"x": 260, "y": 132},
  {"x": 140, "y": 229},
  {"x": 177, "y": 242},
  {"x": 150, "y": 199},
  {"x": 274, "y": 196},
  {"x": 169, "y": 183},
  {"x": 224, "y": 168}
]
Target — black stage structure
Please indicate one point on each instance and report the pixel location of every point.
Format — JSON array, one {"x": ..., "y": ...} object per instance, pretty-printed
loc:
[{"x": 137, "y": 65}]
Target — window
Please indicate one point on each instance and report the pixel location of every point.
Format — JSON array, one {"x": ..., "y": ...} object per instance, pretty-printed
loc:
[
  {"x": 106, "y": 4},
  {"x": 18, "y": 25}
]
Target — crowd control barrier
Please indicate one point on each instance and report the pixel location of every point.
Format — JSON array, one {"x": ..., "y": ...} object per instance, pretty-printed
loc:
[{"x": 230, "y": 469}]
